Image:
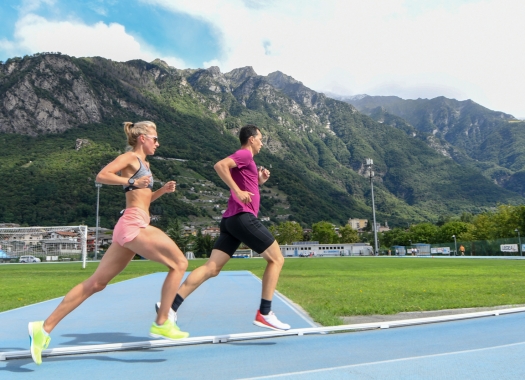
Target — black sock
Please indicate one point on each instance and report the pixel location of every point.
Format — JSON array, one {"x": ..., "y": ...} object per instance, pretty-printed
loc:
[
  {"x": 178, "y": 301},
  {"x": 266, "y": 306}
]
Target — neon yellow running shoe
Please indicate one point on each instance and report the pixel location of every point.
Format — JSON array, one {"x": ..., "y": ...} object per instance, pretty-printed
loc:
[
  {"x": 168, "y": 330},
  {"x": 38, "y": 340}
]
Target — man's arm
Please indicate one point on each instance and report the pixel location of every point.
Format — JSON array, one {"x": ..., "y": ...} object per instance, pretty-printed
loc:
[
  {"x": 264, "y": 175},
  {"x": 223, "y": 168}
]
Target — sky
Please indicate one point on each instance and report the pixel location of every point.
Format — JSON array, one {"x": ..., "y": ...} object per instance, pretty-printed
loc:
[{"x": 461, "y": 49}]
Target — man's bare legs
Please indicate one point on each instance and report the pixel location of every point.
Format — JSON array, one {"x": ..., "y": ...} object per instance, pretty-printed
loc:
[
  {"x": 150, "y": 243},
  {"x": 275, "y": 260},
  {"x": 219, "y": 258}
]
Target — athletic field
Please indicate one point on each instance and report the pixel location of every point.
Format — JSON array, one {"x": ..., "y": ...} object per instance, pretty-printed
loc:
[
  {"x": 327, "y": 288},
  {"x": 107, "y": 336}
]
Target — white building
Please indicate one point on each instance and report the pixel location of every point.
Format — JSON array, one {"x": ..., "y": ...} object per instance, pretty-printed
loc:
[{"x": 313, "y": 248}]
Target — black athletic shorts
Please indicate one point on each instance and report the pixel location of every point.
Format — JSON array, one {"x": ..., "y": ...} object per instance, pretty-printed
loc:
[{"x": 243, "y": 228}]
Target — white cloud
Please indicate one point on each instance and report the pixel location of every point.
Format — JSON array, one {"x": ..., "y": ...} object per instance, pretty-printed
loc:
[
  {"x": 467, "y": 50},
  {"x": 36, "y": 34}
]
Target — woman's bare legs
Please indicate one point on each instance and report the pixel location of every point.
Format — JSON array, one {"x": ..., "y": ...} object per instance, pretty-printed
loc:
[
  {"x": 155, "y": 245},
  {"x": 113, "y": 262},
  {"x": 151, "y": 243},
  {"x": 211, "y": 269}
]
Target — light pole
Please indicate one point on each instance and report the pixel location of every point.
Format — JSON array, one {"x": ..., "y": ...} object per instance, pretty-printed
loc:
[
  {"x": 369, "y": 163},
  {"x": 519, "y": 242},
  {"x": 98, "y": 186},
  {"x": 455, "y": 245}
]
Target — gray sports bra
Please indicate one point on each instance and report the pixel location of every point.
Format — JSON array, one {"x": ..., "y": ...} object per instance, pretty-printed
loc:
[{"x": 143, "y": 170}]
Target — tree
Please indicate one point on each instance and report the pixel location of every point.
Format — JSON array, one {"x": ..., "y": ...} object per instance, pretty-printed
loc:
[
  {"x": 348, "y": 234},
  {"x": 174, "y": 231},
  {"x": 287, "y": 232},
  {"x": 423, "y": 233},
  {"x": 466, "y": 217},
  {"x": 324, "y": 233},
  {"x": 442, "y": 220},
  {"x": 396, "y": 236},
  {"x": 203, "y": 245},
  {"x": 185, "y": 242},
  {"x": 452, "y": 228}
]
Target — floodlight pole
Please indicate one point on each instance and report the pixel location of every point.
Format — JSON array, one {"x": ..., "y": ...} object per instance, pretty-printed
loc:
[
  {"x": 369, "y": 164},
  {"x": 455, "y": 245},
  {"x": 519, "y": 242},
  {"x": 98, "y": 186}
]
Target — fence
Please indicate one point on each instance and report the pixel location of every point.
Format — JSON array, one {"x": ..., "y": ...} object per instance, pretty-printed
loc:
[{"x": 484, "y": 247}]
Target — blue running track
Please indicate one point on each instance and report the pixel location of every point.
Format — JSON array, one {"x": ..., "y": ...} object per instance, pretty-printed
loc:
[{"x": 482, "y": 348}]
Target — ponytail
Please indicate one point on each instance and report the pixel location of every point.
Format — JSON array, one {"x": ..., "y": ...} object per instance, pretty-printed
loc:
[{"x": 134, "y": 130}]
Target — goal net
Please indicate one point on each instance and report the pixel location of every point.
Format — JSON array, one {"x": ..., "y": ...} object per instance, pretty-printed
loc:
[{"x": 66, "y": 243}]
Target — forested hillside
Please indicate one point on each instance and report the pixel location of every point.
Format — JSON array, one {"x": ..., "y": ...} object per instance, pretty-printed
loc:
[{"x": 60, "y": 122}]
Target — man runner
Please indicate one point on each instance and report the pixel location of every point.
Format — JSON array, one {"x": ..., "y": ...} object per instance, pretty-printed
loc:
[{"x": 240, "y": 224}]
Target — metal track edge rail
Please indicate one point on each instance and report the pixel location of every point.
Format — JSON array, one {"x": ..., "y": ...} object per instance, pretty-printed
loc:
[{"x": 88, "y": 349}]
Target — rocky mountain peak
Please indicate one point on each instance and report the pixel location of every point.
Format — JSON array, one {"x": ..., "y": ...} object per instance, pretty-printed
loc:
[
  {"x": 214, "y": 71},
  {"x": 161, "y": 63},
  {"x": 239, "y": 76},
  {"x": 45, "y": 93},
  {"x": 280, "y": 80},
  {"x": 295, "y": 89},
  {"x": 210, "y": 79}
]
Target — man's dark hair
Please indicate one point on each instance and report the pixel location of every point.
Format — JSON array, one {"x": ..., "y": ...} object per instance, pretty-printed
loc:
[{"x": 246, "y": 132}]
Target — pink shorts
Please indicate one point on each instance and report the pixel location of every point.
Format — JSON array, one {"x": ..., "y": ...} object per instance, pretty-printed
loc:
[{"x": 129, "y": 225}]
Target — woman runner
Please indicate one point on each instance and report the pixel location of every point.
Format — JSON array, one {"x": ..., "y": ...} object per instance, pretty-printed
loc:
[{"x": 131, "y": 235}]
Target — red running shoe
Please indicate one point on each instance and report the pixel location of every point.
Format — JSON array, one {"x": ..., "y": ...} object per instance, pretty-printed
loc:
[{"x": 270, "y": 321}]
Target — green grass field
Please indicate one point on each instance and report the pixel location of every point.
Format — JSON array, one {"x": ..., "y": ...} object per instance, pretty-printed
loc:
[{"x": 327, "y": 288}]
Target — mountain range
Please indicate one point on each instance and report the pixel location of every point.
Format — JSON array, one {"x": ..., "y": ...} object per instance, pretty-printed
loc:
[
  {"x": 60, "y": 122},
  {"x": 469, "y": 133}
]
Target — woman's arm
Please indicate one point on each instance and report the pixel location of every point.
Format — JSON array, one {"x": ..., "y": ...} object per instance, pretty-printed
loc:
[
  {"x": 169, "y": 187},
  {"x": 108, "y": 175}
]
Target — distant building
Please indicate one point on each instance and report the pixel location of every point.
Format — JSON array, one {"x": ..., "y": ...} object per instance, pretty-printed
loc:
[
  {"x": 61, "y": 246},
  {"x": 211, "y": 231},
  {"x": 384, "y": 228},
  {"x": 358, "y": 224},
  {"x": 63, "y": 235},
  {"x": 27, "y": 238},
  {"x": 314, "y": 248},
  {"x": 187, "y": 231},
  {"x": 9, "y": 225}
]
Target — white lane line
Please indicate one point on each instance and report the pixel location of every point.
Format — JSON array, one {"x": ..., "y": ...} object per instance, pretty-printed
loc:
[{"x": 383, "y": 362}]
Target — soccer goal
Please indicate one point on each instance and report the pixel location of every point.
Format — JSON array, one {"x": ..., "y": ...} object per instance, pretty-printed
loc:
[
  {"x": 243, "y": 254},
  {"x": 27, "y": 244}
]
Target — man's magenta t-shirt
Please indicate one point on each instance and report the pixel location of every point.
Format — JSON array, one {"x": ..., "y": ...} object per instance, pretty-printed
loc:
[{"x": 246, "y": 177}]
